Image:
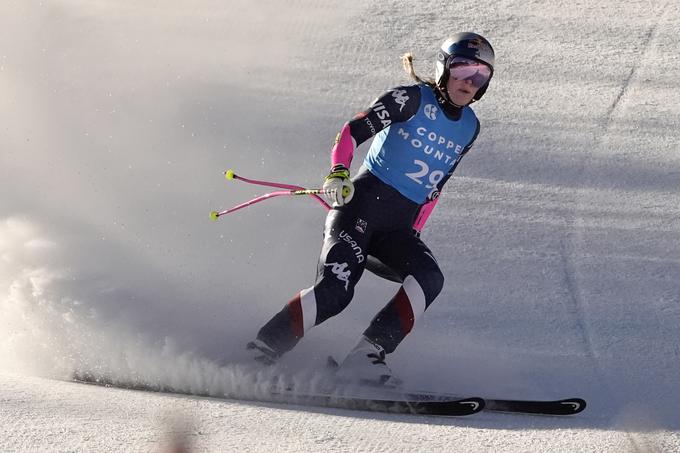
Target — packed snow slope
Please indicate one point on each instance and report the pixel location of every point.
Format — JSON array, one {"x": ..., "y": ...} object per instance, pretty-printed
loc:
[{"x": 559, "y": 236}]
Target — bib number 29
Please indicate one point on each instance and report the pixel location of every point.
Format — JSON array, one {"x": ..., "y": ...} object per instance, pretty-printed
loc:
[{"x": 433, "y": 178}]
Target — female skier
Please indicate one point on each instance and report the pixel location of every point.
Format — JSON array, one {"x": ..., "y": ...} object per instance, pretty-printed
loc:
[{"x": 422, "y": 132}]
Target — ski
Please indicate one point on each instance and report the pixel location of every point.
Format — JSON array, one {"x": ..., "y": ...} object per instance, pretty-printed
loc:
[
  {"x": 386, "y": 400},
  {"x": 568, "y": 406},
  {"x": 398, "y": 404},
  {"x": 444, "y": 407}
]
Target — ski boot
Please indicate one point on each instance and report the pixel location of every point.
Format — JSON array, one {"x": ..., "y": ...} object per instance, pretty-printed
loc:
[
  {"x": 365, "y": 364},
  {"x": 261, "y": 353}
]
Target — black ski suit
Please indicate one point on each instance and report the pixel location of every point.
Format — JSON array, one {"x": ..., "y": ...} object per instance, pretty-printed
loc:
[{"x": 376, "y": 227}]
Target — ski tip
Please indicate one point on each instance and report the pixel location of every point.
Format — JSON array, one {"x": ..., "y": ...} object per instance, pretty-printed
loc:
[
  {"x": 568, "y": 406},
  {"x": 214, "y": 215},
  {"x": 575, "y": 405},
  {"x": 475, "y": 404},
  {"x": 229, "y": 174}
]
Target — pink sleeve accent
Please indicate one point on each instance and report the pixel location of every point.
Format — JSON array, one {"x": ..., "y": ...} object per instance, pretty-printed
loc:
[
  {"x": 423, "y": 214},
  {"x": 343, "y": 150}
]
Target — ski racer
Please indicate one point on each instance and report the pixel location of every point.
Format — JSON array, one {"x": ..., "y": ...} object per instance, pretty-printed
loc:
[{"x": 421, "y": 132}]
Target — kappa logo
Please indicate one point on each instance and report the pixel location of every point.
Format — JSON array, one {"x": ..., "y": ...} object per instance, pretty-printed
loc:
[
  {"x": 340, "y": 272},
  {"x": 431, "y": 111},
  {"x": 400, "y": 98}
]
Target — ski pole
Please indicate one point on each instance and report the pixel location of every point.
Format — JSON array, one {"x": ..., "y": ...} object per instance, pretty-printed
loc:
[
  {"x": 372, "y": 264},
  {"x": 230, "y": 175},
  {"x": 216, "y": 214}
]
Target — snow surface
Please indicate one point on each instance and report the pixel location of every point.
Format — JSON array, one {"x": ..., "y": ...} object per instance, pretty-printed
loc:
[{"x": 559, "y": 237}]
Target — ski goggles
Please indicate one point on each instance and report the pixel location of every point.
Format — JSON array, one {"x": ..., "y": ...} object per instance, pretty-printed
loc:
[{"x": 461, "y": 68}]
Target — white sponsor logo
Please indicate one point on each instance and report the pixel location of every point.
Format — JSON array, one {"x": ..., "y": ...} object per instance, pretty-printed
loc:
[
  {"x": 400, "y": 98},
  {"x": 473, "y": 404},
  {"x": 383, "y": 114},
  {"x": 431, "y": 111},
  {"x": 352, "y": 243},
  {"x": 370, "y": 125},
  {"x": 361, "y": 226},
  {"x": 574, "y": 405},
  {"x": 432, "y": 143},
  {"x": 340, "y": 272}
]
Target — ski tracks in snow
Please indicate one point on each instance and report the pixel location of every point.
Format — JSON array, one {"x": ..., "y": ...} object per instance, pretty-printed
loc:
[{"x": 573, "y": 242}]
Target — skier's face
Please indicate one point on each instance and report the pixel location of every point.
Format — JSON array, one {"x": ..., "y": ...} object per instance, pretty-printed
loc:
[
  {"x": 466, "y": 76},
  {"x": 461, "y": 92}
]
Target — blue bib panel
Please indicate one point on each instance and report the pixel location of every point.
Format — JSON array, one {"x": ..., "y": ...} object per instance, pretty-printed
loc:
[{"x": 414, "y": 156}]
